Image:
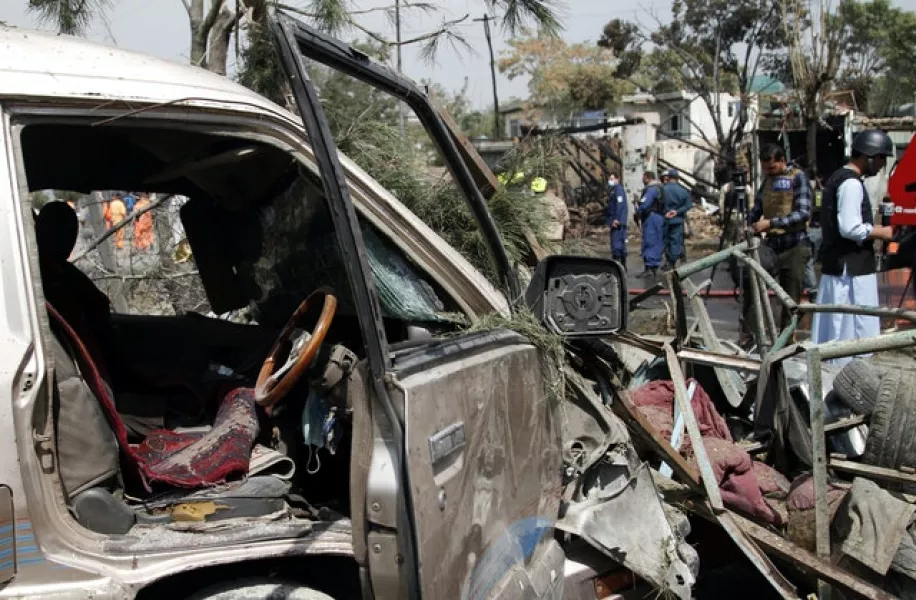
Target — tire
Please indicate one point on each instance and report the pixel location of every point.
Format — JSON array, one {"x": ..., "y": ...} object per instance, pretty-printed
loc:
[
  {"x": 856, "y": 386},
  {"x": 259, "y": 589},
  {"x": 891, "y": 442}
]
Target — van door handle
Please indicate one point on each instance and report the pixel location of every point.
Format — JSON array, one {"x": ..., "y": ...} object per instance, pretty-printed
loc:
[{"x": 446, "y": 442}]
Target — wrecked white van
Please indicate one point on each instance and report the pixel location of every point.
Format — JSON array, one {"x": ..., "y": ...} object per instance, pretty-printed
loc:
[{"x": 133, "y": 447}]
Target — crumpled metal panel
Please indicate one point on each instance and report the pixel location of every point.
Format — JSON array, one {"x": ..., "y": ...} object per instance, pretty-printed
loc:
[
  {"x": 624, "y": 519},
  {"x": 588, "y": 428}
]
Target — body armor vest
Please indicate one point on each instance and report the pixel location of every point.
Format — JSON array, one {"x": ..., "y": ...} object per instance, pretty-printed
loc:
[{"x": 778, "y": 198}]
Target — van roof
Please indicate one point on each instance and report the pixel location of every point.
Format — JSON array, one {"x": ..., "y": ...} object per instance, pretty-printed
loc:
[{"x": 35, "y": 64}]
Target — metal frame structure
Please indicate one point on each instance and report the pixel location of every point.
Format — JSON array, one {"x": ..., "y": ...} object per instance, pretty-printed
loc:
[{"x": 774, "y": 346}]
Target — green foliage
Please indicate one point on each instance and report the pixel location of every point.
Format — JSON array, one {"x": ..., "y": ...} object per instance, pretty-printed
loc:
[
  {"x": 565, "y": 77},
  {"x": 332, "y": 16},
  {"x": 473, "y": 122},
  {"x": 878, "y": 50},
  {"x": 348, "y": 102},
  {"x": 622, "y": 38},
  {"x": 659, "y": 72},
  {"x": 71, "y": 17},
  {"x": 709, "y": 47},
  {"x": 260, "y": 69},
  {"x": 519, "y": 14},
  {"x": 397, "y": 166}
]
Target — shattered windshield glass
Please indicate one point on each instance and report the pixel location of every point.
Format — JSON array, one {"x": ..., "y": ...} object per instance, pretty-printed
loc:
[{"x": 299, "y": 252}]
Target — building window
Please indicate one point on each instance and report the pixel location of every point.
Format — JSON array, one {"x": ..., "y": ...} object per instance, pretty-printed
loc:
[
  {"x": 675, "y": 123},
  {"x": 732, "y": 109},
  {"x": 515, "y": 128}
]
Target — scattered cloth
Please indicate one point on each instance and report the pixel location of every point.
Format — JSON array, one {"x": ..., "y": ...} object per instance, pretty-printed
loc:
[
  {"x": 801, "y": 493},
  {"x": 743, "y": 481},
  {"x": 801, "y": 527},
  {"x": 737, "y": 480},
  {"x": 656, "y": 401},
  {"x": 905, "y": 560},
  {"x": 771, "y": 481},
  {"x": 871, "y": 524}
]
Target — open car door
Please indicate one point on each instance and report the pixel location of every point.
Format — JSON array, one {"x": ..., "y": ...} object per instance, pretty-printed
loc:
[{"x": 464, "y": 480}]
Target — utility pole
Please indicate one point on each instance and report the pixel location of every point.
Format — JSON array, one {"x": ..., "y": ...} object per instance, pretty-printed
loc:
[
  {"x": 497, "y": 131},
  {"x": 397, "y": 38}
]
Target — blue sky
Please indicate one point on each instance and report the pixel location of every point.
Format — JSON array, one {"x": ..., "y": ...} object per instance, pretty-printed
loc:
[{"x": 160, "y": 28}]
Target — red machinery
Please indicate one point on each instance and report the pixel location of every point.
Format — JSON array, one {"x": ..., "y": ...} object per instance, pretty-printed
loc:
[{"x": 901, "y": 188}]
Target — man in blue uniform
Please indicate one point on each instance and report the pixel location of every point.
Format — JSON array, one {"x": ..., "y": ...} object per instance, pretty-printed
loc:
[
  {"x": 651, "y": 214},
  {"x": 677, "y": 203},
  {"x": 617, "y": 220}
]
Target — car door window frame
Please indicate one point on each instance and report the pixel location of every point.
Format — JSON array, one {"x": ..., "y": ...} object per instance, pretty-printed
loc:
[
  {"x": 343, "y": 214},
  {"x": 312, "y": 44}
]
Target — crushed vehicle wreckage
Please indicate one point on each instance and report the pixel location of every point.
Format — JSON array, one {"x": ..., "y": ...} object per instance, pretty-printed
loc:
[
  {"x": 462, "y": 468},
  {"x": 144, "y": 452}
]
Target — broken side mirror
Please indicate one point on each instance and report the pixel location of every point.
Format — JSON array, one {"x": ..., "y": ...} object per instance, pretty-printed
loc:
[{"x": 578, "y": 296}]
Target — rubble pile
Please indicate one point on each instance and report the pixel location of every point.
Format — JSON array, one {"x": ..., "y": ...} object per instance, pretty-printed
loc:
[
  {"x": 702, "y": 226},
  {"x": 811, "y": 463}
]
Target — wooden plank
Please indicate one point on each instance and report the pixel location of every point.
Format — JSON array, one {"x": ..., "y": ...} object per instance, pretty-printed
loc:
[
  {"x": 757, "y": 557},
  {"x": 693, "y": 430},
  {"x": 776, "y": 546},
  {"x": 638, "y": 424},
  {"x": 484, "y": 178},
  {"x": 871, "y": 472}
]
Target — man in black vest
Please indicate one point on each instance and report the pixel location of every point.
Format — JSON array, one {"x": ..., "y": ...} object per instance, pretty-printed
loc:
[{"x": 848, "y": 262}]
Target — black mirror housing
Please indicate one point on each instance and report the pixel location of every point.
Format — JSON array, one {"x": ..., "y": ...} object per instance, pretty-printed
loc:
[{"x": 579, "y": 296}]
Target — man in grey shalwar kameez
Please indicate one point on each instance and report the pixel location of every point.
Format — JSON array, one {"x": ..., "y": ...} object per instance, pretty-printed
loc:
[{"x": 849, "y": 264}]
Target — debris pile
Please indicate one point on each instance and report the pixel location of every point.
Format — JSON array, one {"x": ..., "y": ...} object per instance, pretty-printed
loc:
[
  {"x": 795, "y": 458},
  {"x": 703, "y": 227}
]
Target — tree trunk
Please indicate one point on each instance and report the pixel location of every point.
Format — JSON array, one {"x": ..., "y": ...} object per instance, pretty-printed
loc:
[
  {"x": 219, "y": 37},
  {"x": 812, "y": 119},
  {"x": 811, "y": 146},
  {"x": 198, "y": 34}
]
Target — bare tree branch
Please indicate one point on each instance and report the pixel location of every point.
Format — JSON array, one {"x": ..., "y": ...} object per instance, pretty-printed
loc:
[{"x": 443, "y": 29}]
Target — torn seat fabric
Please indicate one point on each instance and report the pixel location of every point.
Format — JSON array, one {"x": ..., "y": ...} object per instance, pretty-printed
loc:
[{"x": 187, "y": 460}]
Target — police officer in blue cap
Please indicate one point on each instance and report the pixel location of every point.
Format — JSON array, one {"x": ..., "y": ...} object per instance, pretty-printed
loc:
[
  {"x": 651, "y": 212},
  {"x": 677, "y": 203},
  {"x": 617, "y": 213}
]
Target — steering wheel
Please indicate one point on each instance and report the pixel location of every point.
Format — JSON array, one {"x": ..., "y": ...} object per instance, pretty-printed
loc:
[{"x": 273, "y": 383}]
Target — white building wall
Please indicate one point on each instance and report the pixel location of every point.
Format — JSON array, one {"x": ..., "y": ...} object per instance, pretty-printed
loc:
[{"x": 637, "y": 142}]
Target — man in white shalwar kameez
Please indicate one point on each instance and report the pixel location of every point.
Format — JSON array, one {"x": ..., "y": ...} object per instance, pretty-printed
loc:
[{"x": 848, "y": 257}]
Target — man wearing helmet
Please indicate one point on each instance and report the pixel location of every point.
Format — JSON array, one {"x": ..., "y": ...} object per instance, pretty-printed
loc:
[{"x": 847, "y": 251}]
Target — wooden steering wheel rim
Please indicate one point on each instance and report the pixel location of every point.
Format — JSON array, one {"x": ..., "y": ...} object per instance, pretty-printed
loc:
[{"x": 267, "y": 395}]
